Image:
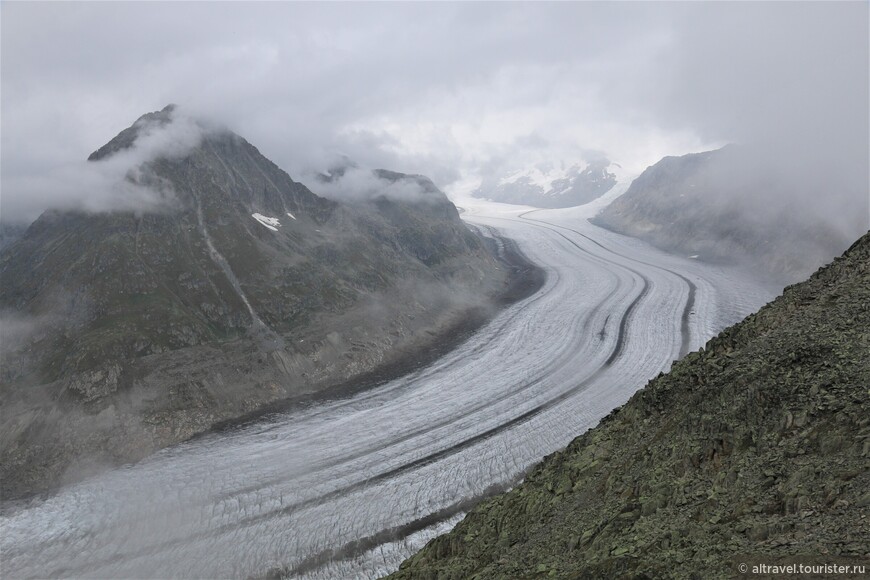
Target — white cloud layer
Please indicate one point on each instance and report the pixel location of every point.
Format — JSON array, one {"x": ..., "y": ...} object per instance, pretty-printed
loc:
[
  {"x": 357, "y": 184},
  {"x": 447, "y": 90},
  {"x": 119, "y": 182}
]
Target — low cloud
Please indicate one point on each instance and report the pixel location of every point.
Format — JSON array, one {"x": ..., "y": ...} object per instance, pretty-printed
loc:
[
  {"x": 17, "y": 329},
  {"x": 515, "y": 83},
  {"x": 358, "y": 185},
  {"x": 121, "y": 181}
]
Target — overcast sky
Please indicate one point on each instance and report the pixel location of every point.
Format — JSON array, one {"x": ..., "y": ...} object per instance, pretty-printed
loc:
[{"x": 448, "y": 90}]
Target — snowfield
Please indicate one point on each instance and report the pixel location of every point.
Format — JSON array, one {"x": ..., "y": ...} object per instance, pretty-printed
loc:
[{"x": 270, "y": 222}]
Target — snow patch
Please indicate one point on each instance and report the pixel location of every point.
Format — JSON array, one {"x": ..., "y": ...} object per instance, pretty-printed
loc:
[{"x": 269, "y": 222}]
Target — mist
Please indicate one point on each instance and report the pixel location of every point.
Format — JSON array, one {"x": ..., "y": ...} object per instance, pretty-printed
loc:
[
  {"x": 120, "y": 182},
  {"x": 514, "y": 85},
  {"x": 356, "y": 184},
  {"x": 203, "y": 393},
  {"x": 790, "y": 86}
]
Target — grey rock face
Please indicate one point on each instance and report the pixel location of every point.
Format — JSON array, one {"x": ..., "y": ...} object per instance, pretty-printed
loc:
[
  {"x": 246, "y": 288},
  {"x": 11, "y": 233}
]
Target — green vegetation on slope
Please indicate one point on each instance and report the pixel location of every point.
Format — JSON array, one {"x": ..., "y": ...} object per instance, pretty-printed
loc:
[{"x": 756, "y": 449}]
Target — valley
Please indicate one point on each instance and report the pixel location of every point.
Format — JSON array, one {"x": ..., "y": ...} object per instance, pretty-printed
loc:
[
  {"x": 127, "y": 331},
  {"x": 434, "y": 290},
  {"x": 356, "y": 484}
]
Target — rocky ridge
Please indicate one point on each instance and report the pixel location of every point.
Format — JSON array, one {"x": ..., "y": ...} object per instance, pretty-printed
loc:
[{"x": 755, "y": 449}]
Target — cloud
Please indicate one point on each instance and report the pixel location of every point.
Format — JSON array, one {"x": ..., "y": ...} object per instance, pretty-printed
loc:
[
  {"x": 355, "y": 184},
  {"x": 170, "y": 140},
  {"x": 445, "y": 90},
  {"x": 119, "y": 182},
  {"x": 789, "y": 81}
]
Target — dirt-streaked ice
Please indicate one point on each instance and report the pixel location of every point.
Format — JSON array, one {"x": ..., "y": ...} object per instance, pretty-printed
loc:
[{"x": 331, "y": 489}]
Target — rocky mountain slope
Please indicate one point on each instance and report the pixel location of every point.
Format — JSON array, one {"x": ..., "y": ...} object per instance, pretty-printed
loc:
[
  {"x": 551, "y": 185},
  {"x": 11, "y": 233},
  {"x": 722, "y": 206},
  {"x": 755, "y": 449},
  {"x": 127, "y": 331}
]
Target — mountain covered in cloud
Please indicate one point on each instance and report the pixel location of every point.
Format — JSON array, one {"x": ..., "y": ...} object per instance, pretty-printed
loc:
[
  {"x": 731, "y": 205},
  {"x": 551, "y": 184},
  {"x": 234, "y": 286},
  {"x": 346, "y": 181}
]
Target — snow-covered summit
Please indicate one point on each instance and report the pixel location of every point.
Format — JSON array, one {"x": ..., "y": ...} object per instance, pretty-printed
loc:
[{"x": 552, "y": 184}]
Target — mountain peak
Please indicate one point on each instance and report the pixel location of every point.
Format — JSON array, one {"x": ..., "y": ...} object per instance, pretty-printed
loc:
[
  {"x": 212, "y": 273},
  {"x": 549, "y": 184},
  {"x": 126, "y": 138}
]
